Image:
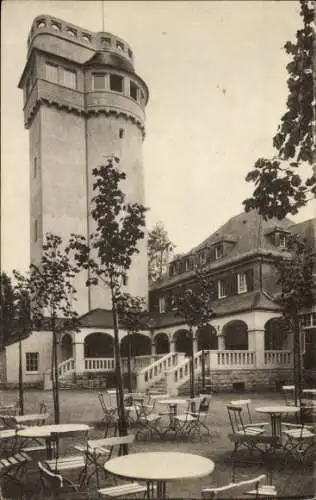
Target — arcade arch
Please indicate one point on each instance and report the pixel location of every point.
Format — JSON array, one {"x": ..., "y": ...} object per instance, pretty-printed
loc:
[
  {"x": 98, "y": 345},
  {"x": 235, "y": 333}
]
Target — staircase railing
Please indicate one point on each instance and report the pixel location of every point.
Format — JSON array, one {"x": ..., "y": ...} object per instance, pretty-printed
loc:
[
  {"x": 156, "y": 371},
  {"x": 67, "y": 366}
]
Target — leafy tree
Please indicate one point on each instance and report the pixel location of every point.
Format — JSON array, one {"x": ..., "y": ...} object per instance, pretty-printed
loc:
[
  {"x": 7, "y": 310},
  {"x": 52, "y": 293},
  {"x": 131, "y": 317},
  {"x": 295, "y": 271},
  {"x": 280, "y": 189},
  {"x": 194, "y": 305},
  {"x": 108, "y": 254},
  {"x": 159, "y": 252}
]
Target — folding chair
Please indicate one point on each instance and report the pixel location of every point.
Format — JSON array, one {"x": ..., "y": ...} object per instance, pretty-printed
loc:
[
  {"x": 123, "y": 490},
  {"x": 192, "y": 423},
  {"x": 299, "y": 440},
  {"x": 148, "y": 423},
  {"x": 248, "y": 436},
  {"x": 98, "y": 451},
  {"x": 63, "y": 463},
  {"x": 255, "y": 487},
  {"x": 12, "y": 467},
  {"x": 110, "y": 415},
  {"x": 53, "y": 483},
  {"x": 36, "y": 444},
  {"x": 246, "y": 403}
]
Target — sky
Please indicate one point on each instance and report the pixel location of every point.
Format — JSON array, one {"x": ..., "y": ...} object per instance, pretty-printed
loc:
[{"x": 217, "y": 80}]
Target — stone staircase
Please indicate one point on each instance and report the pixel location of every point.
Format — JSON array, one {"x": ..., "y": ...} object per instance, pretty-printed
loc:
[{"x": 159, "y": 387}]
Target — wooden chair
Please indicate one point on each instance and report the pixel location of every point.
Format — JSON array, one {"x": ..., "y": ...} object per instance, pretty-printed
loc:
[
  {"x": 299, "y": 440},
  {"x": 98, "y": 451},
  {"x": 64, "y": 463},
  {"x": 192, "y": 423},
  {"x": 53, "y": 483},
  {"x": 123, "y": 490},
  {"x": 248, "y": 436},
  {"x": 148, "y": 423},
  {"x": 246, "y": 404},
  {"x": 110, "y": 415},
  {"x": 33, "y": 445},
  {"x": 232, "y": 491},
  {"x": 12, "y": 467}
]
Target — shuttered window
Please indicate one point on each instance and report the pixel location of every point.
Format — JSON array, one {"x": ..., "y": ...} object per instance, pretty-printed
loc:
[
  {"x": 51, "y": 72},
  {"x": 68, "y": 78},
  {"x": 241, "y": 283}
]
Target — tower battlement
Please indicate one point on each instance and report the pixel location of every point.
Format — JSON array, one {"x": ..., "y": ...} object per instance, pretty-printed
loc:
[{"x": 104, "y": 41}]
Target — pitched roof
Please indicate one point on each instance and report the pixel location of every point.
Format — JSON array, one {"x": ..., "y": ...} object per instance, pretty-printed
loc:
[{"x": 97, "y": 318}]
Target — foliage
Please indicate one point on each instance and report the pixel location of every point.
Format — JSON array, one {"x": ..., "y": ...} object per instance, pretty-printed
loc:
[
  {"x": 131, "y": 312},
  {"x": 295, "y": 271},
  {"x": 7, "y": 310},
  {"x": 279, "y": 187},
  {"x": 159, "y": 252},
  {"x": 131, "y": 317},
  {"x": 108, "y": 254},
  {"x": 194, "y": 305},
  {"x": 52, "y": 296}
]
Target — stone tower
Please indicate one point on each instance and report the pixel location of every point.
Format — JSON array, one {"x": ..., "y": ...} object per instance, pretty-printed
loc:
[{"x": 82, "y": 102}]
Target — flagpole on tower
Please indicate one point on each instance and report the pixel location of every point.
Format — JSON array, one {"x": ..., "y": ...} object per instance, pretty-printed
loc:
[{"x": 102, "y": 7}]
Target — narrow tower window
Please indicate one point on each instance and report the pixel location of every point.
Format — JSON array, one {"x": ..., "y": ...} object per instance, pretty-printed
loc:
[
  {"x": 35, "y": 167},
  {"x": 35, "y": 230},
  {"x": 69, "y": 78},
  {"x": 121, "y": 133},
  {"x": 116, "y": 83},
  {"x": 51, "y": 72},
  {"x": 133, "y": 90},
  {"x": 98, "y": 81}
]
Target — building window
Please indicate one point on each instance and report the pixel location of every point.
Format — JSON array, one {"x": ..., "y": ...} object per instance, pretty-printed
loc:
[
  {"x": 69, "y": 78},
  {"x": 120, "y": 46},
  {"x": 241, "y": 283},
  {"x": 35, "y": 230},
  {"x": 51, "y": 72},
  {"x": 221, "y": 286},
  {"x": 282, "y": 241},
  {"x": 98, "y": 81},
  {"x": 218, "y": 251},
  {"x": 133, "y": 90},
  {"x": 162, "y": 304},
  {"x": 121, "y": 133},
  {"x": 35, "y": 167},
  {"x": 116, "y": 83},
  {"x": 32, "y": 361}
]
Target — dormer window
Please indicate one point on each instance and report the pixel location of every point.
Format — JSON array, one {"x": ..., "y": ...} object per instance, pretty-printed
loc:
[
  {"x": 218, "y": 251},
  {"x": 282, "y": 240}
]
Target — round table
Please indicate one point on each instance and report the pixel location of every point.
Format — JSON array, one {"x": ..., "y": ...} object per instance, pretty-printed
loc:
[
  {"x": 159, "y": 467},
  {"x": 275, "y": 412},
  {"x": 46, "y": 431}
]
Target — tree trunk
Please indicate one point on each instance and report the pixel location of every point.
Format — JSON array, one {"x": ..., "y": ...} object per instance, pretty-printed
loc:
[
  {"x": 129, "y": 363},
  {"x": 192, "y": 384},
  {"x": 21, "y": 394},
  {"x": 122, "y": 423},
  {"x": 297, "y": 361},
  {"x": 55, "y": 378},
  {"x": 203, "y": 370}
]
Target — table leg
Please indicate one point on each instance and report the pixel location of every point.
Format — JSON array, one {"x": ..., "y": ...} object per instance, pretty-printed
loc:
[
  {"x": 276, "y": 424},
  {"x": 161, "y": 490},
  {"x": 48, "y": 449}
]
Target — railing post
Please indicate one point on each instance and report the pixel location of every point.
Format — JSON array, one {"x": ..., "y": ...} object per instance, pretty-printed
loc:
[{"x": 257, "y": 346}]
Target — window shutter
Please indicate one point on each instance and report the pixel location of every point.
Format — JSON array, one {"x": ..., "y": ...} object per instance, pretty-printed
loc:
[{"x": 249, "y": 279}]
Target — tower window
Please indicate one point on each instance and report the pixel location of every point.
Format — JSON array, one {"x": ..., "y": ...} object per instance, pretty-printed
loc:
[
  {"x": 35, "y": 167},
  {"x": 116, "y": 83},
  {"x": 133, "y": 90},
  {"x": 125, "y": 280},
  {"x": 35, "y": 230},
  {"x": 121, "y": 133},
  {"x": 69, "y": 78},
  {"x": 218, "y": 251},
  {"x": 51, "y": 72},
  {"x": 120, "y": 46},
  {"x": 98, "y": 81}
]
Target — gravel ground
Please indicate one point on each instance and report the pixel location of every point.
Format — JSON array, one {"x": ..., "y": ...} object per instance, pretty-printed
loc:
[{"x": 291, "y": 478}]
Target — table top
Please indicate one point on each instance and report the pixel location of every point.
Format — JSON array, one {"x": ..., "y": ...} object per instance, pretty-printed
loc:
[
  {"x": 309, "y": 391},
  {"x": 30, "y": 417},
  {"x": 170, "y": 401},
  {"x": 160, "y": 466},
  {"x": 277, "y": 409},
  {"x": 47, "y": 430}
]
